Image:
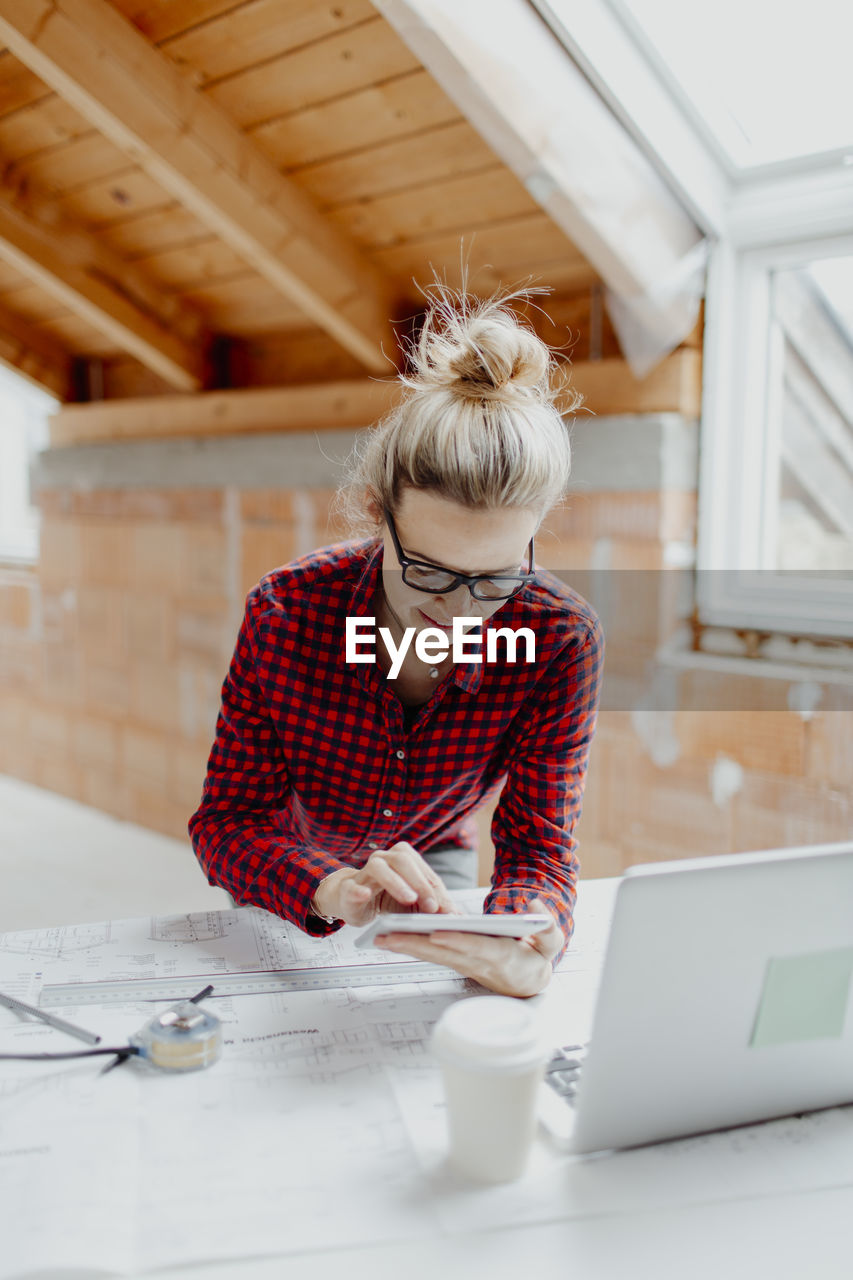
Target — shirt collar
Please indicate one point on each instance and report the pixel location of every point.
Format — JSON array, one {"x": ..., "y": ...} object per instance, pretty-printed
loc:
[{"x": 467, "y": 675}]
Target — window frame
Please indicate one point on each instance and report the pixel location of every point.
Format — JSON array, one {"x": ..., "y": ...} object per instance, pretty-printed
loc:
[
  {"x": 740, "y": 454},
  {"x": 756, "y": 218}
]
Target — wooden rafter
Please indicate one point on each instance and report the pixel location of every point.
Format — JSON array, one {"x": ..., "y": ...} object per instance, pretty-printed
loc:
[
  {"x": 523, "y": 93},
  {"x": 608, "y": 386},
  {"x": 351, "y": 403},
  {"x": 34, "y": 355},
  {"x": 139, "y": 99},
  {"x": 96, "y": 284}
]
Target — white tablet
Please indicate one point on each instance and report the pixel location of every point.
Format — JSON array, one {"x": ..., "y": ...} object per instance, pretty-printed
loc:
[{"x": 497, "y": 926}]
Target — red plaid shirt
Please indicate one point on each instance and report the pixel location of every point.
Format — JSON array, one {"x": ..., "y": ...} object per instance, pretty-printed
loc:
[{"x": 312, "y": 767}]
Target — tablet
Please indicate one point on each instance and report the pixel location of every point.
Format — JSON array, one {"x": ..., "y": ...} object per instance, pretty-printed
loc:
[{"x": 496, "y": 926}]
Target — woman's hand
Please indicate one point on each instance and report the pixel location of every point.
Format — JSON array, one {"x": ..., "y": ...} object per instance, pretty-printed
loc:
[
  {"x": 395, "y": 879},
  {"x": 509, "y": 966}
]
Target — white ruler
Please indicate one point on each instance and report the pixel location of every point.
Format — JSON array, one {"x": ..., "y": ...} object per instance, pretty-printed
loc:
[{"x": 126, "y": 990}]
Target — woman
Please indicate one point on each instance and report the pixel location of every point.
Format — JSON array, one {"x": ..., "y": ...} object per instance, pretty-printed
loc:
[{"x": 336, "y": 790}]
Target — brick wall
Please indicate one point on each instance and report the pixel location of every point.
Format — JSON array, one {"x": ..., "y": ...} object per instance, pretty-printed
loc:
[
  {"x": 113, "y": 650},
  {"x": 114, "y": 647}
]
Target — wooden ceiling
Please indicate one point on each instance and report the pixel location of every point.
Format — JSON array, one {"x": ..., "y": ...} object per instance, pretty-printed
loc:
[{"x": 199, "y": 194}]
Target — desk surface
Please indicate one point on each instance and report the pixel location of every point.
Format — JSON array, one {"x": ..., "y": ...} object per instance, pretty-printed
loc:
[{"x": 320, "y": 1136}]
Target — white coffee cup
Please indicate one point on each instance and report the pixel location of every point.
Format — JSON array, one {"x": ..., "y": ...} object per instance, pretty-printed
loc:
[{"x": 492, "y": 1055}]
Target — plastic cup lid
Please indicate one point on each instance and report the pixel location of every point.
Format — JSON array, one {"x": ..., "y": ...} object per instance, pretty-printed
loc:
[{"x": 491, "y": 1033}]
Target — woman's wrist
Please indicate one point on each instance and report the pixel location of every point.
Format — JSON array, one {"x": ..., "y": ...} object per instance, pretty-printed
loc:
[
  {"x": 319, "y": 907},
  {"x": 324, "y": 900},
  {"x": 315, "y": 911}
]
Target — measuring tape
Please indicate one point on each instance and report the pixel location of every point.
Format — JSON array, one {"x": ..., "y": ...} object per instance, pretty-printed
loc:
[
  {"x": 122, "y": 991},
  {"x": 182, "y": 1038}
]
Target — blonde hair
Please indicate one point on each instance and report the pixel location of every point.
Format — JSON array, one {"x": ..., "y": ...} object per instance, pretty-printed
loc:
[{"x": 477, "y": 423}]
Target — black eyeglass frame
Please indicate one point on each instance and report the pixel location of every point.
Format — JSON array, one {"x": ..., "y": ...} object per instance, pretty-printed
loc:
[{"x": 470, "y": 580}]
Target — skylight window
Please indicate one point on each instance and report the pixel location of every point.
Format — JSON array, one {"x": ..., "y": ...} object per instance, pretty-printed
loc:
[{"x": 769, "y": 80}]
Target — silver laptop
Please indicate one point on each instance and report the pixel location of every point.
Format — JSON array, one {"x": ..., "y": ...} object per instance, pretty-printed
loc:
[{"x": 725, "y": 999}]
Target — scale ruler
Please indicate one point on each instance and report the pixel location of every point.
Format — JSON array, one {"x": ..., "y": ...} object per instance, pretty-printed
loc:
[{"x": 258, "y": 982}]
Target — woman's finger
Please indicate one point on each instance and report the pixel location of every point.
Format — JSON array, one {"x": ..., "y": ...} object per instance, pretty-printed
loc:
[
  {"x": 356, "y": 892},
  {"x": 471, "y": 954},
  {"x": 356, "y": 904},
  {"x": 416, "y": 871},
  {"x": 422, "y": 947},
  {"x": 379, "y": 874},
  {"x": 502, "y": 965}
]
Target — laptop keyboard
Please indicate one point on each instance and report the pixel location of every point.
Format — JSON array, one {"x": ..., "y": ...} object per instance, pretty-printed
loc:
[{"x": 563, "y": 1071}]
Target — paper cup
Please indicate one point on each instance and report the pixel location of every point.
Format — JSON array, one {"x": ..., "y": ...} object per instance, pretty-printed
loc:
[{"x": 492, "y": 1056}]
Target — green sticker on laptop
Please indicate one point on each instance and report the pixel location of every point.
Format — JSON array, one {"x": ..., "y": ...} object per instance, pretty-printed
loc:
[{"x": 804, "y": 997}]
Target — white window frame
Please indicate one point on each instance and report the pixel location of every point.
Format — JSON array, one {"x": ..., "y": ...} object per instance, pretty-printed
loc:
[
  {"x": 756, "y": 219},
  {"x": 740, "y": 454}
]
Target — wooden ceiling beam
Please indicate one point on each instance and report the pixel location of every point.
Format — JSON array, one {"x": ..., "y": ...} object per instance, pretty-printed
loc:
[
  {"x": 75, "y": 267},
  {"x": 318, "y": 406},
  {"x": 34, "y": 355},
  {"x": 532, "y": 104},
  {"x": 608, "y": 386},
  {"x": 95, "y": 59}
]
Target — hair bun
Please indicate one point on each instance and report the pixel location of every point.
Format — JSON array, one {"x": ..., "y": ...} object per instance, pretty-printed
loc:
[
  {"x": 479, "y": 353},
  {"x": 478, "y": 424}
]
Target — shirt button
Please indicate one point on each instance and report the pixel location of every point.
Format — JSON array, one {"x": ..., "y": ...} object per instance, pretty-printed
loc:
[
  {"x": 372, "y": 844},
  {"x": 389, "y": 813},
  {"x": 401, "y": 755}
]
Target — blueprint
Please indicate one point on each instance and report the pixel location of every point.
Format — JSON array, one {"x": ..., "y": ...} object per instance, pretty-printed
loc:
[
  {"x": 200, "y": 945},
  {"x": 205, "y": 944},
  {"x": 298, "y": 1113},
  {"x": 323, "y": 1121}
]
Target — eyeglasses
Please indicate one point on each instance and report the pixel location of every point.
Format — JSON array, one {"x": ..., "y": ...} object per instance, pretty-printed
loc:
[{"x": 425, "y": 576}]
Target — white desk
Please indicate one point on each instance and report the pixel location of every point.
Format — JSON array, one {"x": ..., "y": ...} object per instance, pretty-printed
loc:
[{"x": 315, "y": 1147}]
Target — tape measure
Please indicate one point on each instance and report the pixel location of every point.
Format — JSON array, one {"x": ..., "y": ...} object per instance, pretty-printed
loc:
[
  {"x": 181, "y": 1038},
  {"x": 123, "y": 991}
]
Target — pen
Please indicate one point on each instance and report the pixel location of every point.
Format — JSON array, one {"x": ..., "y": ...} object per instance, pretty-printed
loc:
[{"x": 59, "y": 1023}]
